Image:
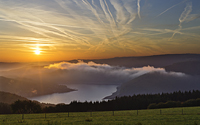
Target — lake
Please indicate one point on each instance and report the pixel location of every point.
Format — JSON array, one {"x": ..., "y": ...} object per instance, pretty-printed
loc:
[{"x": 84, "y": 93}]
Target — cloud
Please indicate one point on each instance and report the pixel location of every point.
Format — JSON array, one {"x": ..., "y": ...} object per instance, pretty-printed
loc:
[
  {"x": 185, "y": 13},
  {"x": 91, "y": 72},
  {"x": 94, "y": 26},
  {"x": 67, "y": 21},
  {"x": 192, "y": 17},
  {"x": 170, "y": 8},
  {"x": 138, "y": 4},
  {"x": 183, "y": 17}
]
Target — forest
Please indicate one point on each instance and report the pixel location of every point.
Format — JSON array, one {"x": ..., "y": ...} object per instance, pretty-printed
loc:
[{"x": 135, "y": 102}]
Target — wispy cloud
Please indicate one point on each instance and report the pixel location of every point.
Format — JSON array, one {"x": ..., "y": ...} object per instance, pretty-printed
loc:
[
  {"x": 183, "y": 17},
  {"x": 92, "y": 26},
  {"x": 138, "y": 4},
  {"x": 185, "y": 13},
  {"x": 171, "y": 8}
]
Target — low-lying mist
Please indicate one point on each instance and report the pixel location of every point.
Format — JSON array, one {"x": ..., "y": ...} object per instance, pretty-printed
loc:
[
  {"x": 92, "y": 73},
  {"x": 47, "y": 78},
  {"x": 81, "y": 73}
]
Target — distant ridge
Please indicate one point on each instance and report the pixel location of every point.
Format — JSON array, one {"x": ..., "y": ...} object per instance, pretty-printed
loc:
[
  {"x": 140, "y": 61},
  {"x": 127, "y": 61},
  {"x": 188, "y": 67},
  {"x": 157, "y": 55}
]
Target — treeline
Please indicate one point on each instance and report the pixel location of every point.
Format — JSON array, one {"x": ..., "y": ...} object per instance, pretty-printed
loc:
[
  {"x": 135, "y": 102},
  {"x": 5, "y": 108},
  {"x": 170, "y": 104},
  {"x": 21, "y": 107}
]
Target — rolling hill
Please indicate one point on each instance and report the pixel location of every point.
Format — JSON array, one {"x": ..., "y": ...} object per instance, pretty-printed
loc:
[
  {"x": 157, "y": 82},
  {"x": 9, "y": 98},
  {"x": 34, "y": 80},
  {"x": 28, "y": 88},
  {"x": 188, "y": 67}
]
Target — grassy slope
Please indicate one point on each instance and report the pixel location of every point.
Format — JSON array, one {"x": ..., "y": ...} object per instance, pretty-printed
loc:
[{"x": 170, "y": 116}]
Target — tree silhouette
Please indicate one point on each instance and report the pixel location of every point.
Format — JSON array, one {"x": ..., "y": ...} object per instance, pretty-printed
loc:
[{"x": 26, "y": 107}]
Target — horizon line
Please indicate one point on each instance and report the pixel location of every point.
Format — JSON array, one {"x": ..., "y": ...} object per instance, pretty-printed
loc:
[{"x": 101, "y": 58}]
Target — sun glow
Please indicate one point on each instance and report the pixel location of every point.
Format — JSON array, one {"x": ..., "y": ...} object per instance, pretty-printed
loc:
[{"x": 37, "y": 52}]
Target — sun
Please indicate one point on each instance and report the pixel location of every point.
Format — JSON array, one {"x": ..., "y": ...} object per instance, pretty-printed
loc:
[{"x": 37, "y": 52}]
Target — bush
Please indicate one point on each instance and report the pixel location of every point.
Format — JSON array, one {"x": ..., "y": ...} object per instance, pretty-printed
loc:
[
  {"x": 26, "y": 107},
  {"x": 171, "y": 104},
  {"x": 152, "y": 106},
  {"x": 161, "y": 105}
]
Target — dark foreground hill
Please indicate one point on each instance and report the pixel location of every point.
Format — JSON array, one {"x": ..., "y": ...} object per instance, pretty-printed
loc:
[
  {"x": 157, "y": 82},
  {"x": 28, "y": 88},
  {"x": 9, "y": 98}
]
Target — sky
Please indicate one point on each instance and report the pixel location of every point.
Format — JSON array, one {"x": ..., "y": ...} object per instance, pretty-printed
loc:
[{"x": 53, "y": 30}]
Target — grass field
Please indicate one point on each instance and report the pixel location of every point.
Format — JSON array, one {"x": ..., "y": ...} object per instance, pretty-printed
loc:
[{"x": 169, "y": 116}]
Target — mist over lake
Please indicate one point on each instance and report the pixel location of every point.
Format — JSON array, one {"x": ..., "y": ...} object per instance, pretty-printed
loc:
[
  {"x": 83, "y": 93},
  {"x": 96, "y": 79}
]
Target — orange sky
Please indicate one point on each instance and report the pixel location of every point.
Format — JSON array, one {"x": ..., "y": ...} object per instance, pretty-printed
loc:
[{"x": 65, "y": 30}]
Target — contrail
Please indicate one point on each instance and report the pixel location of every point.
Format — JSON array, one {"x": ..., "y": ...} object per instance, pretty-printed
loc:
[
  {"x": 130, "y": 10},
  {"x": 186, "y": 12},
  {"x": 41, "y": 31},
  {"x": 49, "y": 24},
  {"x": 94, "y": 11},
  {"x": 83, "y": 20},
  {"x": 119, "y": 11},
  {"x": 183, "y": 17},
  {"x": 138, "y": 4},
  {"x": 113, "y": 22},
  {"x": 170, "y": 8},
  {"x": 108, "y": 16},
  {"x": 109, "y": 12},
  {"x": 192, "y": 28},
  {"x": 105, "y": 12}
]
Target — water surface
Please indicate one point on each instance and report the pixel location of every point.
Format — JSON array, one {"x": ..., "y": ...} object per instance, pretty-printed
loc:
[{"x": 83, "y": 93}]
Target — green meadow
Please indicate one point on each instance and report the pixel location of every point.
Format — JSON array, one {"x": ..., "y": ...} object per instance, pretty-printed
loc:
[{"x": 168, "y": 116}]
